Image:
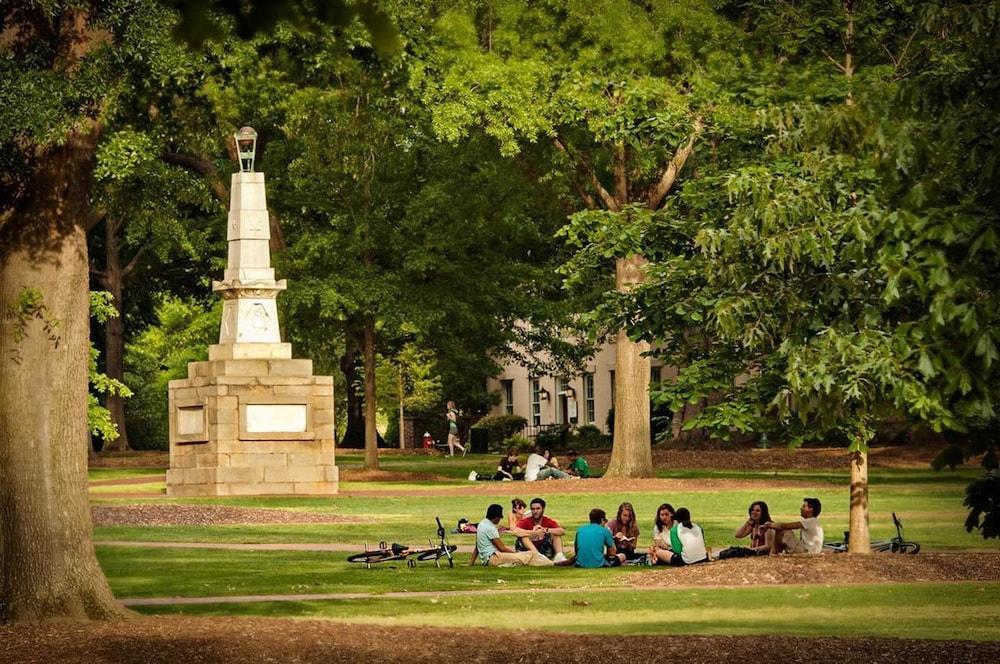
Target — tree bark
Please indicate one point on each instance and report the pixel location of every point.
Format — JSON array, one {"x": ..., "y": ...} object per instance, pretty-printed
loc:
[
  {"x": 859, "y": 540},
  {"x": 631, "y": 453},
  {"x": 47, "y": 564},
  {"x": 113, "y": 280},
  {"x": 354, "y": 434},
  {"x": 402, "y": 420},
  {"x": 371, "y": 434}
]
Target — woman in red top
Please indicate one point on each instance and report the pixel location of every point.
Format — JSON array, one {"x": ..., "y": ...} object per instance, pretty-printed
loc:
[
  {"x": 758, "y": 515},
  {"x": 625, "y": 531}
]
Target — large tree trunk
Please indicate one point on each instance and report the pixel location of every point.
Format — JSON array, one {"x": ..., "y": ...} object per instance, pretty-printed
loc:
[
  {"x": 859, "y": 540},
  {"x": 631, "y": 454},
  {"x": 354, "y": 435},
  {"x": 371, "y": 434},
  {"x": 47, "y": 564},
  {"x": 402, "y": 419},
  {"x": 113, "y": 280}
]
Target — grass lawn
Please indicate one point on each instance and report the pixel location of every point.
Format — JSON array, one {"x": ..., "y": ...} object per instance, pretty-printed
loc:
[
  {"x": 968, "y": 611},
  {"x": 932, "y": 514},
  {"x": 594, "y": 601}
]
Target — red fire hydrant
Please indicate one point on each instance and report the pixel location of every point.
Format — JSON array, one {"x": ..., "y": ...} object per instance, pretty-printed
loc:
[{"x": 427, "y": 440}]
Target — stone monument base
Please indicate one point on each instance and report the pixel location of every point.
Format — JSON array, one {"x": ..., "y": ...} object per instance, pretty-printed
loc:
[{"x": 241, "y": 426}]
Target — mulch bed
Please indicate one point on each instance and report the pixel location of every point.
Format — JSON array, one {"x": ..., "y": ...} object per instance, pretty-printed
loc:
[
  {"x": 195, "y": 640},
  {"x": 205, "y": 515},
  {"x": 827, "y": 569}
]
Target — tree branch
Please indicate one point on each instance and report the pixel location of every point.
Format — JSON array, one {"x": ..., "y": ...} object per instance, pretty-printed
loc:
[
  {"x": 836, "y": 64},
  {"x": 202, "y": 167},
  {"x": 585, "y": 169},
  {"x": 658, "y": 192},
  {"x": 131, "y": 265},
  {"x": 100, "y": 275}
]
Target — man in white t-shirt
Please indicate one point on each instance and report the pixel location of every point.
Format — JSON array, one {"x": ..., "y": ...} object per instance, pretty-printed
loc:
[
  {"x": 537, "y": 467},
  {"x": 810, "y": 539}
]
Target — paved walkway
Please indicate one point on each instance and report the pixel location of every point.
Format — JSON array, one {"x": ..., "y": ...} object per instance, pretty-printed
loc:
[
  {"x": 321, "y": 597},
  {"x": 305, "y": 546}
]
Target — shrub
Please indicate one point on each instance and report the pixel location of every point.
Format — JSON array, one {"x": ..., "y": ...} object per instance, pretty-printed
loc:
[
  {"x": 553, "y": 439},
  {"x": 519, "y": 443},
  {"x": 501, "y": 426},
  {"x": 589, "y": 437}
]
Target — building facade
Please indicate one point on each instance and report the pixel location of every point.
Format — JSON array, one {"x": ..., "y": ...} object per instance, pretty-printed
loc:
[{"x": 577, "y": 400}]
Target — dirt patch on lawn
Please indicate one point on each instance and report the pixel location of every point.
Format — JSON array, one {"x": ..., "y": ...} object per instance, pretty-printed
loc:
[
  {"x": 827, "y": 569},
  {"x": 206, "y": 515},
  {"x": 174, "y": 639},
  {"x": 780, "y": 458},
  {"x": 359, "y": 475}
]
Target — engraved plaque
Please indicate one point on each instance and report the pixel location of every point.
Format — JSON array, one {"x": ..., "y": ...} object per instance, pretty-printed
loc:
[
  {"x": 276, "y": 418},
  {"x": 190, "y": 420}
]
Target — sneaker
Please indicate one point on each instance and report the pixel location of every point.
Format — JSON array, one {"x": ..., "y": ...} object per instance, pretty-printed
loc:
[{"x": 559, "y": 558}]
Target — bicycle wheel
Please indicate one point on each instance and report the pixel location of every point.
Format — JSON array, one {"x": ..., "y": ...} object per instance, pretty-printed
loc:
[
  {"x": 906, "y": 547},
  {"x": 434, "y": 554},
  {"x": 372, "y": 557}
]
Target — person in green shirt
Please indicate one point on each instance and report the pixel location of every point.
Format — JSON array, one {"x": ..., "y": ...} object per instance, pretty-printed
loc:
[{"x": 577, "y": 465}]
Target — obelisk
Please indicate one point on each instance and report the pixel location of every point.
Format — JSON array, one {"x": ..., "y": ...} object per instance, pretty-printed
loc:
[{"x": 251, "y": 420}]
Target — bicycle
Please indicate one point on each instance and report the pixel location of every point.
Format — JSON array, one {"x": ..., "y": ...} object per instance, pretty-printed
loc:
[
  {"x": 386, "y": 553},
  {"x": 895, "y": 544}
]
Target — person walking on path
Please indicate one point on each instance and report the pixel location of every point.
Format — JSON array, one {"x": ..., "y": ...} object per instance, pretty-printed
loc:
[{"x": 452, "y": 416}]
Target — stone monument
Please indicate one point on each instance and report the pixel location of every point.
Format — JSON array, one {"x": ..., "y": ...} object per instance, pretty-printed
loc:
[{"x": 251, "y": 420}]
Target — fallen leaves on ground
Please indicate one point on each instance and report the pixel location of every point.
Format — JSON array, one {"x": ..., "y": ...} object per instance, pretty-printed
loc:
[
  {"x": 827, "y": 569},
  {"x": 223, "y": 640},
  {"x": 206, "y": 515}
]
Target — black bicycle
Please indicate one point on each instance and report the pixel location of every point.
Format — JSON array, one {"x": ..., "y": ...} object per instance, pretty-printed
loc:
[
  {"x": 386, "y": 553},
  {"x": 895, "y": 544}
]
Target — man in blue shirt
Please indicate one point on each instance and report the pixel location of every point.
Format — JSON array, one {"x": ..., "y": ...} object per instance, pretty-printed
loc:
[
  {"x": 593, "y": 540},
  {"x": 491, "y": 549}
]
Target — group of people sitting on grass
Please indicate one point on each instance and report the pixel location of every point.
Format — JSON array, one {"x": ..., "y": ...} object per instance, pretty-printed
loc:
[
  {"x": 540, "y": 465},
  {"x": 677, "y": 541}
]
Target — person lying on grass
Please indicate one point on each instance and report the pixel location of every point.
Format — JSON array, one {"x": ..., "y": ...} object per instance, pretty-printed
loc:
[
  {"x": 491, "y": 549},
  {"x": 810, "y": 538}
]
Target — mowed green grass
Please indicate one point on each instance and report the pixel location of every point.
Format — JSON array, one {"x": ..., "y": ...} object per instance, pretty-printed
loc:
[
  {"x": 966, "y": 611},
  {"x": 932, "y": 514},
  {"x": 592, "y": 601}
]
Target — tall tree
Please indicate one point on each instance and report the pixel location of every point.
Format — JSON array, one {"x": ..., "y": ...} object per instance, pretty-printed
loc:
[
  {"x": 148, "y": 210},
  {"x": 620, "y": 92},
  {"x": 53, "y": 68},
  {"x": 837, "y": 262}
]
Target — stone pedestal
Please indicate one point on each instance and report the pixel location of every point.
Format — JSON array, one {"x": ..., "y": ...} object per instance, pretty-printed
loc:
[
  {"x": 251, "y": 427},
  {"x": 251, "y": 420}
]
